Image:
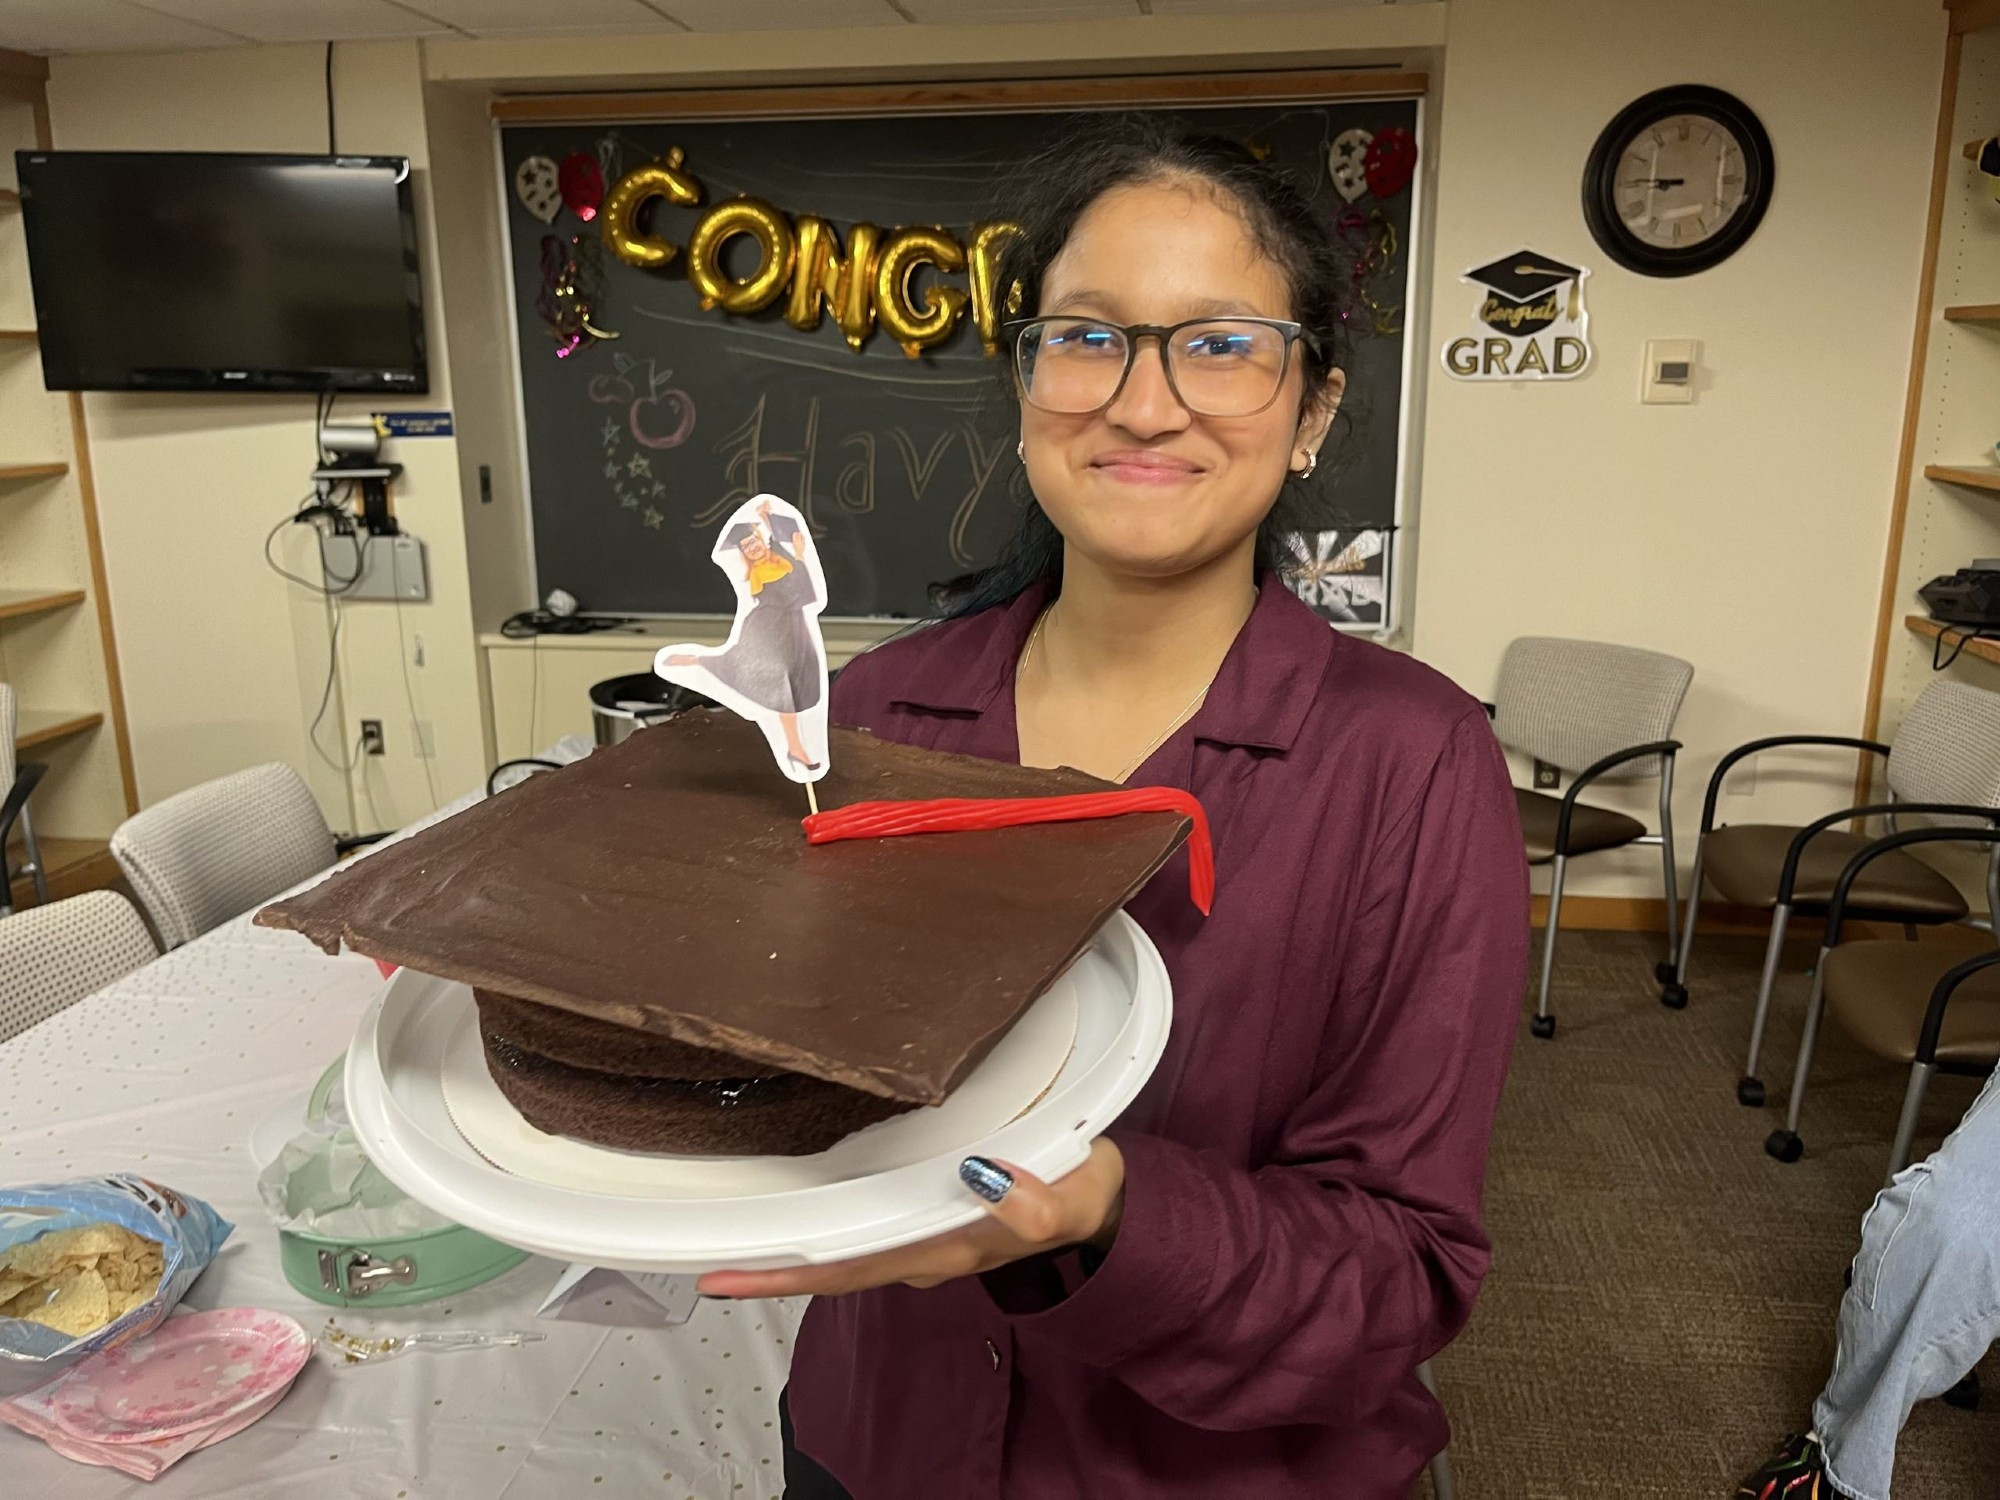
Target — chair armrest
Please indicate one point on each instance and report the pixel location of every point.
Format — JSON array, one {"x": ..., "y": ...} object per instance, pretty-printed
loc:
[
  {"x": 1590, "y": 773},
  {"x": 26, "y": 776},
  {"x": 1927, "y": 1040},
  {"x": 348, "y": 843},
  {"x": 1492, "y": 711},
  {"x": 1837, "y": 912},
  {"x": 1745, "y": 751},
  {"x": 1788, "y": 876}
]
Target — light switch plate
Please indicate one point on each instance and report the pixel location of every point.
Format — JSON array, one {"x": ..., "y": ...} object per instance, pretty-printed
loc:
[{"x": 1667, "y": 376}]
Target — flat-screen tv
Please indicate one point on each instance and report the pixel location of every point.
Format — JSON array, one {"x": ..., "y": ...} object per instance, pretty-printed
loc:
[{"x": 223, "y": 271}]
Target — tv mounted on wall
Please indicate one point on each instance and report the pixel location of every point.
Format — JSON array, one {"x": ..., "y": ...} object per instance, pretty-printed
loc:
[{"x": 211, "y": 271}]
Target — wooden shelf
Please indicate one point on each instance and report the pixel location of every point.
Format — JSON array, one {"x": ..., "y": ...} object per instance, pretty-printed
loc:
[
  {"x": 19, "y": 335},
  {"x": 1985, "y": 650},
  {"x": 1971, "y": 312},
  {"x": 32, "y": 471},
  {"x": 43, "y": 726},
  {"x": 1972, "y": 479},
  {"x": 15, "y": 602},
  {"x": 74, "y": 866},
  {"x": 9, "y": 198}
]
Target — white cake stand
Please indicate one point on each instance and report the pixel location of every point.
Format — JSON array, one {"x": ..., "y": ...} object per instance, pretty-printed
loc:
[{"x": 889, "y": 1185}]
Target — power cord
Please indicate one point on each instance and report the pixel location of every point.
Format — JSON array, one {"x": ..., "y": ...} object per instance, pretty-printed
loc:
[
  {"x": 1977, "y": 633},
  {"x": 329, "y": 100},
  {"x": 530, "y": 623},
  {"x": 410, "y": 700}
]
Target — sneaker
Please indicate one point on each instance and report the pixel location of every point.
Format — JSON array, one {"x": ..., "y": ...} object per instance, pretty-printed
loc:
[{"x": 1797, "y": 1471}]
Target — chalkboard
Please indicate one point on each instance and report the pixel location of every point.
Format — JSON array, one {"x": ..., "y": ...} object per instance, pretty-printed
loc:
[{"x": 638, "y": 445}]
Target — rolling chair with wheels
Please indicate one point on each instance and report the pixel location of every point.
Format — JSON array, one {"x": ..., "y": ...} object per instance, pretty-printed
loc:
[
  {"x": 1946, "y": 752},
  {"x": 1603, "y": 712},
  {"x": 1909, "y": 1002}
]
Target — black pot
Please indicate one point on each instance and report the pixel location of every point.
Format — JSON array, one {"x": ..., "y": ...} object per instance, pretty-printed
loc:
[{"x": 619, "y": 705}]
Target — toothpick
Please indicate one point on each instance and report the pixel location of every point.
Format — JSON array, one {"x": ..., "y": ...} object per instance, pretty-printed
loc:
[{"x": 812, "y": 799}]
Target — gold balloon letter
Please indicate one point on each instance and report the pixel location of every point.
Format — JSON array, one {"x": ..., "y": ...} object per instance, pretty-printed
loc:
[
  {"x": 820, "y": 275},
  {"x": 630, "y": 195},
  {"x": 917, "y": 329},
  {"x": 765, "y": 225},
  {"x": 989, "y": 243}
]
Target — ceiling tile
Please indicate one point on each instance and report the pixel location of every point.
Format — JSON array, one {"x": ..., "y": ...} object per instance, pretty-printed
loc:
[
  {"x": 518, "y": 17},
  {"x": 97, "y": 26},
  {"x": 990, "y": 12},
  {"x": 1248, "y": 7},
  {"x": 302, "y": 20},
  {"x": 778, "y": 15}
]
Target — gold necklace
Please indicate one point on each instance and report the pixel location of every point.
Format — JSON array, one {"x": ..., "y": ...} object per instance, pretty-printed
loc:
[{"x": 1140, "y": 759}]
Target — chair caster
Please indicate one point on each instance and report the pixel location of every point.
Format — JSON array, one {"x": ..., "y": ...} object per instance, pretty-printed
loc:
[
  {"x": 1964, "y": 1395},
  {"x": 1783, "y": 1145},
  {"x": 1543, "y": 1026},
  {"x": 1665, "y": 972},
  {"x": 1674, "y": 996},
  {"x": 1750, "y": 1093}
]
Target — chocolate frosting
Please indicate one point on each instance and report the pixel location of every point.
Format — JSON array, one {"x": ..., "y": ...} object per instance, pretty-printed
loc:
[{"x": 664, "y": 884}]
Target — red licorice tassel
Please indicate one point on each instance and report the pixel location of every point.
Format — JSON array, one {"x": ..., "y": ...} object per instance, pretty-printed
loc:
[{"x": 877, "y": 820}]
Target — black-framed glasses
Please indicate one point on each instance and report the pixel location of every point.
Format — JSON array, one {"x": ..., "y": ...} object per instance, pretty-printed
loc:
[{"x": 1216, "y": 367}]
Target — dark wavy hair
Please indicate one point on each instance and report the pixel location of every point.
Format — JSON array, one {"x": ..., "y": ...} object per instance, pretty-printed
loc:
[{"x": 1107, "y": 151}]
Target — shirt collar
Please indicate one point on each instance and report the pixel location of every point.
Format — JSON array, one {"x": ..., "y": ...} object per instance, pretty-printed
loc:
[{"x": 1260, "y": 697}]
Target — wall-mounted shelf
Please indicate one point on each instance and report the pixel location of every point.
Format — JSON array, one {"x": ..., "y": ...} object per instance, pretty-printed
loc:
[
  {"x": 1985, "y": 650},
  {"x": 19, "y": 336},
  {"x": 17, "y": 602},
  {"x": 9, "y": 198},
  {"x": 1972, "y": 479},
  {"x": 41, "y": 726},
  {"x": 1970, "y": 312},
  {"x": 51, "y": 470}
]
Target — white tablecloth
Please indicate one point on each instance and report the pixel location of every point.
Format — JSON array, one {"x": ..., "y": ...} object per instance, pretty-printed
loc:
[{"x": 165, "y": 1073}]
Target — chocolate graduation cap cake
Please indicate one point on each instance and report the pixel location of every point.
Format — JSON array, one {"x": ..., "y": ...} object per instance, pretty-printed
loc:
[{"x": 663, "y": 963}]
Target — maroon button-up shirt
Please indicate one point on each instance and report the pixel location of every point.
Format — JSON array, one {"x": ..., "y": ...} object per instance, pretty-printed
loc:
[{"x": 1302, "y": 1172}]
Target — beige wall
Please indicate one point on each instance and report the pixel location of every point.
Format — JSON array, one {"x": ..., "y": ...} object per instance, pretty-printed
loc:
[
  {"x": 1744, "y": 532},
  {"x": 224, "y": 662}
]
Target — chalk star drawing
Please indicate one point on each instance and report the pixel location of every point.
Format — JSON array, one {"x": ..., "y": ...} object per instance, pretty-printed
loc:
[
  {"x": 612, "y": 471},
  {"x": 653, "y": 518},
  {"x": 639, "y": 465},
  {"x": 658, "y": 488},
  {"x": 610, "y": 431}
]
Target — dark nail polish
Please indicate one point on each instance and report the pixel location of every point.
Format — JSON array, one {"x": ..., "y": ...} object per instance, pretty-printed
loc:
[{"x": 988, "y": 1179}]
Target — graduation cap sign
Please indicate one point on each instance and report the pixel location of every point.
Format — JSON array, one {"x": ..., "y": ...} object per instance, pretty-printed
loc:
[{"x": 1529, "y": 323}]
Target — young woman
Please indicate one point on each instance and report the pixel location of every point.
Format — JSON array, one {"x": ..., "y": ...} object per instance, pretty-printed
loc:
[{"x": 1231, "y": 1297}]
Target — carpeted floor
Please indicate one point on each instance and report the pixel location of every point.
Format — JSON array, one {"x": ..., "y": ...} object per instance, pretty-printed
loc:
[{"x": 1661, "y": 1306}]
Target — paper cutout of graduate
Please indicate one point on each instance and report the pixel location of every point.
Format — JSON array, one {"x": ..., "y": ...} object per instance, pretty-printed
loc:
[{"x": 772, "y": 669}]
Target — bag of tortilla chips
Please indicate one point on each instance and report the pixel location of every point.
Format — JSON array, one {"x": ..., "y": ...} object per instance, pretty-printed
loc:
[{"x": 88, "y": 1264}]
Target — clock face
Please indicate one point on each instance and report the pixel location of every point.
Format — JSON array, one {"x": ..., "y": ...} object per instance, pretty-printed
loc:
[{"x": 1678, "y": 181}]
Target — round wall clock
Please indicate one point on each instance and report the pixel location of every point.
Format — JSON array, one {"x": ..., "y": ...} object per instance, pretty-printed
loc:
[{"x": 1678, "y": 181}]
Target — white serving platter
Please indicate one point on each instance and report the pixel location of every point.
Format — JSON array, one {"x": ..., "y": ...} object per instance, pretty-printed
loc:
[{"x": 1068, "y": 1069}]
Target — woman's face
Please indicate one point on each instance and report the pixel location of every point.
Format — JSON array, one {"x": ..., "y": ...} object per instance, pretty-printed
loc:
[{"x": 1144, "y": 487}]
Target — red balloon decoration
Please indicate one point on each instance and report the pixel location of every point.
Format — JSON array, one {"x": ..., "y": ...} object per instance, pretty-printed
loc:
[
  {"x": 1390, "y": 164},
  {"x": 582, "y": 181}
]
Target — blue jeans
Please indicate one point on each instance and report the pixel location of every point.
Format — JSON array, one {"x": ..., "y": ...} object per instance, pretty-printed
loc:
[{"x": 1925, "y": 1303}]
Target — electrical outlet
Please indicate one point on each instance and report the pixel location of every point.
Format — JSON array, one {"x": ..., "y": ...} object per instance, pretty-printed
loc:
[
  {"x": 371, "y": 738},
  {"x": 1547, "y": 777},
  {"x": 423, "y": 738}
]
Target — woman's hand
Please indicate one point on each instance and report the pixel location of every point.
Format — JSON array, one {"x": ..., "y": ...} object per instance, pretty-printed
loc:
[{"x": 1028, "y": 1217}]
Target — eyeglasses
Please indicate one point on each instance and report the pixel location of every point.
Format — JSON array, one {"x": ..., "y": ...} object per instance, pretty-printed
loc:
[{"x": 1216, "y": 367}]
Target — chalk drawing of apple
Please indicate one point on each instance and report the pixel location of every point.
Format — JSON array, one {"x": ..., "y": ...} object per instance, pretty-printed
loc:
[{"x": 663, "y": 419}]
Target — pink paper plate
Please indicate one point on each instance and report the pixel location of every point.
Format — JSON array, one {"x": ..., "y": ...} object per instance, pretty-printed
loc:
[{"x": 197, "y": 1371}]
